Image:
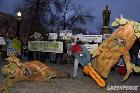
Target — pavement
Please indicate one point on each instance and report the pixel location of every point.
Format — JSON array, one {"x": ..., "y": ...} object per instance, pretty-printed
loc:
[{"x": 81, "y": 84}]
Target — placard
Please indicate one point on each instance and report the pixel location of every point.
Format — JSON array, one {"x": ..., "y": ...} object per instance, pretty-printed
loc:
[
  {"x": 139, "y": 54},
  {"x": 2, "y": 41},
  {"x": 53, "y": 36},
  {"x": 91, "y": 47},
  {"x": 10, "y": 51},
  {"x": 65, "y": 33}
]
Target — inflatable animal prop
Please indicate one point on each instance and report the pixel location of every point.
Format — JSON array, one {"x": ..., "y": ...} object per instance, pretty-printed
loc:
[
  {"x": 118, "y": 44},
  {"x": 30, "y": 70}
]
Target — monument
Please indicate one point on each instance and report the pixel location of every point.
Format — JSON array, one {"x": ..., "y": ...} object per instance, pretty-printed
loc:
[{"x": 106, "y": 19}]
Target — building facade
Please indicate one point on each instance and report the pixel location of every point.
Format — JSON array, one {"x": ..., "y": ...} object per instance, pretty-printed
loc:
[{"x": 7, "y": 23}]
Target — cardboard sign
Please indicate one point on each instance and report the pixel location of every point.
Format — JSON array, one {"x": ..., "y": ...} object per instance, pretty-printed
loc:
[
  {"x": 91, "y": 47},
  {"x": 91, "y": 38},
  {"x": 139, "y": 54},
  {"x": 53, "y": 36},
  {"x": 10, "y": 51},
  {"x": 65, "y": 33},
  {"x": 2, "y": 41}
]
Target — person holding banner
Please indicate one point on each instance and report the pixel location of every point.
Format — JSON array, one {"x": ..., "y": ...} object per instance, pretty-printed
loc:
[{"x": 81, "y": 55}]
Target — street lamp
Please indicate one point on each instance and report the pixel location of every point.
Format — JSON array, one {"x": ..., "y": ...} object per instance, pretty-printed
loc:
[{"x": 18, "y": 17}]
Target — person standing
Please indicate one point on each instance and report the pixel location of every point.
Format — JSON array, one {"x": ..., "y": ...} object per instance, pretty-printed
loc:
[{"x": 81, "y": 55}]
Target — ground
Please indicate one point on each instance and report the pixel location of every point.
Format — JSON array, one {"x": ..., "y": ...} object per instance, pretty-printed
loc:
[{"x": 81, "y": 84}]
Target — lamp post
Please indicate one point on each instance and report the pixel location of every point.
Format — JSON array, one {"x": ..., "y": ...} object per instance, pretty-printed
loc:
[{"x": 18, "y": 17}]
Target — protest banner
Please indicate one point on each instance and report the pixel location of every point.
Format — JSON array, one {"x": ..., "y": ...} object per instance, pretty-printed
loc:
[
  {"x": 46, "y": 46},
  {"x": 91, "y": 38}
]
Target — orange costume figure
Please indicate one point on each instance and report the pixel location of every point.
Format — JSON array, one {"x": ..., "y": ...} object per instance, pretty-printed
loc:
[
  {"x": 118, "y": 44},
  {"x": 30, "y": 70}
]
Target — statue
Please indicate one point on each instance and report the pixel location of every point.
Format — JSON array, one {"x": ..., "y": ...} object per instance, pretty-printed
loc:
[{"x": 106, "y": 16}]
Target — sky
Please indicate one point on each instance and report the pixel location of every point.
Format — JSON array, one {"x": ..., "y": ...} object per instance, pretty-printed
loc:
[{"x": 129, "y": 9}]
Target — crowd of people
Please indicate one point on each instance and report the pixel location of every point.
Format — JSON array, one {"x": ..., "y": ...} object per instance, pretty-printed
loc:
[
  {"x": 71, "y": 54},
  {"x": 12, "y": 42}
]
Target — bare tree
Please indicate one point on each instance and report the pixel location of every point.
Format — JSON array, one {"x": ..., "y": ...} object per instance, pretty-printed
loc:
[
  {"x": 70, "y": 16},
  {"x": 55, "y": 15},
  {"x": 34, "y": 13}
]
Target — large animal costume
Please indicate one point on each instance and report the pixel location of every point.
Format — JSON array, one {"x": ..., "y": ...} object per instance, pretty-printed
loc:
[
  {"x": 31, "y": 70},
  {"x": 118, "y": 44}
]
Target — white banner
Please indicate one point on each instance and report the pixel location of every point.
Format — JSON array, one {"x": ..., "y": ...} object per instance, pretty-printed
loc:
[
  {"x": 65, "y": 33},
  {"x": 90, "y": 38},
  {"x": 46, "y": 46}
]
